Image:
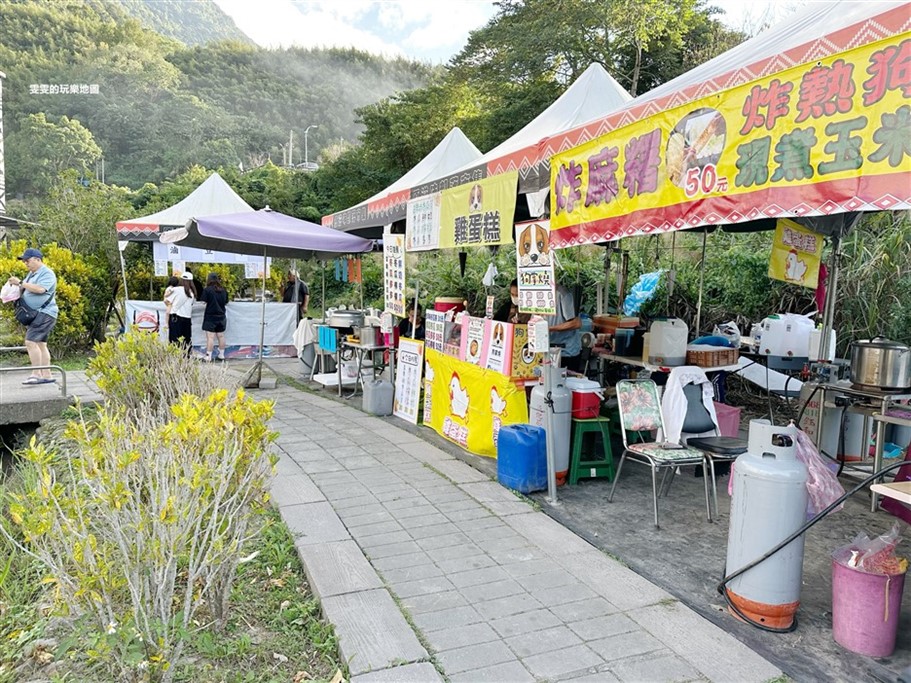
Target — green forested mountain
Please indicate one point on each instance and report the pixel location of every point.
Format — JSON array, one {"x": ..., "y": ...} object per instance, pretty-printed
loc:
[
  {"x": 192, "y": 23},
  {"x": 161, "y": 106}
]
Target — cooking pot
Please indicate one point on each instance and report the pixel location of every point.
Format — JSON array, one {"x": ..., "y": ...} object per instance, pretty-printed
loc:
[
  {"x": 344, "y": 318},
  {"x": 881, "y": 363}
]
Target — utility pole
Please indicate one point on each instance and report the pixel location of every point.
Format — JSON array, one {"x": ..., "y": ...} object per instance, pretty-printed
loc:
[
  {"x": 2, "y": 167},
  {"x": 307, "y": 148},
  {"x": 291, "y": 147}
]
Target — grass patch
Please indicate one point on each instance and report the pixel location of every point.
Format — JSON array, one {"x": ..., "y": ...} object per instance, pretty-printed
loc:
[{"x": 275, "y": 631}]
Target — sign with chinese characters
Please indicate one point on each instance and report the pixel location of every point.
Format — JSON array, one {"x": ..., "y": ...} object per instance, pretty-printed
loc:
[
  {"x": 434, "y": 329},
  {"x": 469, "y": 404},
  {"x": 161, "y": 268},
  {"x": 479, "y": 213},
  {"x": 796, "y": 253},
  {"x": 422, "y": 223},
  {"x": 394, "y": 273},
  {"x": 535, "y": 268},
  {"x": 408, "y": 380},
  {"x": 826, "y": 137}
]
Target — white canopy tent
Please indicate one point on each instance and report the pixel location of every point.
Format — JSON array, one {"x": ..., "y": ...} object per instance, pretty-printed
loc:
[{"x": 368, "y": 218}]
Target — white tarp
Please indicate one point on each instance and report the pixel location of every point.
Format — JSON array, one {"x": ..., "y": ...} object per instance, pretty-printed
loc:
[{"x": 243, "y": 325}]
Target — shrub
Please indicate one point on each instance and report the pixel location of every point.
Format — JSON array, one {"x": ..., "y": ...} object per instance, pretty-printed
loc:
[
  {"x": 141, "y": 522},
  {"x": 139, "y": 373}
]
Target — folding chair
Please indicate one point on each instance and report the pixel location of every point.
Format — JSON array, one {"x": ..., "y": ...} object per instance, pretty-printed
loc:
[
  {"x": 640, "y": 411},
  {"x": 699, "y": 429}
]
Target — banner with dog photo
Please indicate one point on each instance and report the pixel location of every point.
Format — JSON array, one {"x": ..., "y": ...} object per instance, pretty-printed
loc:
[
  {"x": 479, "y": 213},
  {"x": 535, "y": 268},
  {"x": 796, "y": 253}
]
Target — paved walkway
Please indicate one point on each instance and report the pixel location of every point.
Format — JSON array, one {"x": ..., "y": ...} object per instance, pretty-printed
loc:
[{"x": 430, "y": 571}]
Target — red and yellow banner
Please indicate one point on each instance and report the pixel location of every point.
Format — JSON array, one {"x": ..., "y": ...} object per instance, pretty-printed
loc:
[
  {"x": 479, "y": 213},
  {"x": 468, "y": 404},
  {"x": 817, "y": 139}
]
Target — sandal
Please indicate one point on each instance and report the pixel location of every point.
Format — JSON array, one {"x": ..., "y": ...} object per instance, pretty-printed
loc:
[
  {"x": 47, "y": 380},
  {"x": 33, "y": 379}
]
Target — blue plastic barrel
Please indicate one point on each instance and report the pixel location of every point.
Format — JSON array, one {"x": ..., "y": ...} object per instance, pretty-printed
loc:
[{"x": 522, "y": 458}]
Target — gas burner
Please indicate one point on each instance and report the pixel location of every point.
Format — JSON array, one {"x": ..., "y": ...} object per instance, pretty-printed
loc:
[{"x": 878, "y": 390}]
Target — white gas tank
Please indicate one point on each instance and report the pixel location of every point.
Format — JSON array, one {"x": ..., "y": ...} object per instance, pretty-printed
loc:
[
  {"x": 769, "y": 503},
  {"x": 562, "y": 407},
  {"x": 667, "y": 342},
  {"x": 816, "y": 340}
]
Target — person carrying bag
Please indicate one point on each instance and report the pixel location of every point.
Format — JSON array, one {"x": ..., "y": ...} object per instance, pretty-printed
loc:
[{"x": 37, "y": 310}]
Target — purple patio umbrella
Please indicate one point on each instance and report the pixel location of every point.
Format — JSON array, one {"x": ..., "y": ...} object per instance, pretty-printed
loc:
[{"x": 271, "y": 234}]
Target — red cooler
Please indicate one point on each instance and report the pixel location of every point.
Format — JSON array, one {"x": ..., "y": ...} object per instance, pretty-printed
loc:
[
  {"x": 587, "y": 397},
  {"x": 449, "y": 303}
]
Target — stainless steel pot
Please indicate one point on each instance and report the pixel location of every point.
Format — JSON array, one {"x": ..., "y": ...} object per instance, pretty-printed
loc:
[
  {"x": 881, "y": 363},
  {"x": 343, "y": 318}
]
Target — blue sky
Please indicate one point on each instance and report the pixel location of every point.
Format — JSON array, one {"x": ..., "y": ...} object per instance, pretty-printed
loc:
[{"x": 428, "y": 30}]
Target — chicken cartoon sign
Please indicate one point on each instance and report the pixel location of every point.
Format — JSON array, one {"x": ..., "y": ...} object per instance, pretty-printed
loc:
[
  {"x": 796, "y": 253},
  {"x": 469, "y": 404}
]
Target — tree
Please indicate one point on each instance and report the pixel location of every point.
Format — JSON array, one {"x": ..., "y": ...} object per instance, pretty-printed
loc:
[{"x": 42, "y": 149}]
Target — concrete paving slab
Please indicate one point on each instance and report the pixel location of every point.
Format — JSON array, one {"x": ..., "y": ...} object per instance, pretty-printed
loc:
[
  {"x": 311, "y": 523},
  {"x": 605, "y": 626},
  {"x": 447, "y": 618},
  {"x": 627, "y": 644},
  {"x": 372, "y": 632},
  {"x": 435, "y": 584},
  {"x": 463, "y": 636},
  {"x": 492, "y": 590},
  {"x": 610, "y": 579},
  {"x": 294, "y": 489},
  {"x": 377, "y": 540},
  {"x": 560, "y": 663},
  {"x": 506, "y": 607},
  {"x": 400, "y": 561},
  {"x": 410, "y": 673},
  {"x": 696, "y": 640},
  {"x": 526, "y": 622},
  {"x": 393, "y": 550},
  {"x": 421, "y": 571},
  {"x": 431, "y": 530},
  {"x": 656, "y": 666},
  {"x": 550, "y": 536},
  {"x": 510, "y": 672},
  {"x": 477, "y": 656},
  {"x": 432, "y": 602},
  {"x": 546, "y": 640},
  {"x": 458, "y": 472},
  {"x": 337, "y": 568},
  {"x": 462, "y": 564}
]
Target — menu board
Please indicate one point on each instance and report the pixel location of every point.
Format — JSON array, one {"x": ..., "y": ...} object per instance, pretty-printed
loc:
[
  {"x": 394, "y": 273},
  {"x": 473, "y": 340},
  {"x": 408, "y": 379},
  {"x": 422, "y": 223},
  {"x": 535, "y": 268},
  {"x": 524, "y": 360},
  {"x": 499, "y": 346},
  {"x": 434, "y": 329}
]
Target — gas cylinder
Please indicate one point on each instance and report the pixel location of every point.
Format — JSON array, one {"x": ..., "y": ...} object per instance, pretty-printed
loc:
[
  {"x": 769, "y": 503},
  {"x": 562, "y": 418}
]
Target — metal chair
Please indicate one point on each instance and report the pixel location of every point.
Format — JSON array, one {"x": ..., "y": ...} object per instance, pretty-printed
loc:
[{"x": 640, "y": 411}]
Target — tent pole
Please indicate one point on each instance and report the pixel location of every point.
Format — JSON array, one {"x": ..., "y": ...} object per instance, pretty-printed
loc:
[
  {"x": 323, "y": 271},
  {"x": 126, "y": 294},
  {"x": 701, "y": 284},
  {"x": 262, "y": 325},
  {"x": 829, "y": 311},
  {"x": 360, "y": 271}
]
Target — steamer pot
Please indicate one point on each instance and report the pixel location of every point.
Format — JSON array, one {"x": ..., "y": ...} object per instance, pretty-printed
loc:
[
  {"x": 344, "y": 318},
  {"x": 881, "y": 364}
]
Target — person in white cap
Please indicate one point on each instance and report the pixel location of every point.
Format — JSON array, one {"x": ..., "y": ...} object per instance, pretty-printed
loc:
[
  {"x": 38, "y": 294},
  {"x": 179, "y": 304}
]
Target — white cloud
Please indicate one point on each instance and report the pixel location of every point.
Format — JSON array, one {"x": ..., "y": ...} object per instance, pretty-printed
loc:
[{"x": 416, "y": 28}]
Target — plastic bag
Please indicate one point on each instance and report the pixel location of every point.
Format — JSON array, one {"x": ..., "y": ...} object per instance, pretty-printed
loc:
[
  {"x": 9, "y": 293},
  {"x": 729, "y": 331},
  {"x": 873, "y": 555},
  {"x": 823, "y": 486},
  {"x": 641, "y": 292}
]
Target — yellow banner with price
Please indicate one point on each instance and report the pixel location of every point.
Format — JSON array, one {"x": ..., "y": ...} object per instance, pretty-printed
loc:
[
  {"x": 817, "y": 139},
  {"x": 468, "y": 404},
  {"x": 479, "y": 213}
]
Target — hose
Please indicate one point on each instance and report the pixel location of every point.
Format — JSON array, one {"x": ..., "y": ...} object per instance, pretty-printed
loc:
[{"x": 722, "y": 587}]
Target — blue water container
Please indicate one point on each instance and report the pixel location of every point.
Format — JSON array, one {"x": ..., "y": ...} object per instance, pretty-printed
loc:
[{"x": 522, "y": 458}]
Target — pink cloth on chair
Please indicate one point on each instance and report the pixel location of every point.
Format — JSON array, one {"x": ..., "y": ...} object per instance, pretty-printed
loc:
[{"x": 896, "y": 507}]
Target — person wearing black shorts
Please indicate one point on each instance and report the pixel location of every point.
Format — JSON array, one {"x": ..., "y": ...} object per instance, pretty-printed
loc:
[
  {"x": 38, "y": 290},
  {"x": 215, "y": 319}
]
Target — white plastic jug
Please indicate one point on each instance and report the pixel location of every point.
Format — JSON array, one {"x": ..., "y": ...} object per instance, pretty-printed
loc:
[{"x": 667, "y": 342}]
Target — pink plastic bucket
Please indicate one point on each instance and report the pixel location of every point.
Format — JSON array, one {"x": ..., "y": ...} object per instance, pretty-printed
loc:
[{"x": 865, "y": 610}]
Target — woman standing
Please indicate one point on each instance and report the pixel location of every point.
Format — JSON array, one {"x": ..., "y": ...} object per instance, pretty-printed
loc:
[
  {"x": 214, "y": 320},
  {"x": 179, "y": 303}
]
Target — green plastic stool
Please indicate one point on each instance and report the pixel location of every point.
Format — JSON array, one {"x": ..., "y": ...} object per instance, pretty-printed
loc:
[{"x": 590, "y": 468}]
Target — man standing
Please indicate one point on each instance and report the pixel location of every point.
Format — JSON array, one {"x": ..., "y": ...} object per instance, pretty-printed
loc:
[
  {"x": 565, "y": 329},
  {"x": 295, "y": 290},
  {"x": 38, "y": 290}
]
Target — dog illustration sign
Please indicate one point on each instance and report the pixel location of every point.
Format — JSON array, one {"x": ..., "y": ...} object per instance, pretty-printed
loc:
[
  {"x": 479, "y": 213},
  {"x": 535, "y": 268},
  {"x": 796, "y": 253}
]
